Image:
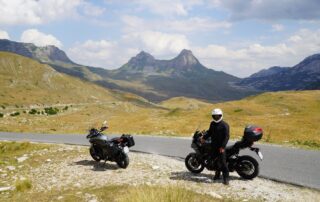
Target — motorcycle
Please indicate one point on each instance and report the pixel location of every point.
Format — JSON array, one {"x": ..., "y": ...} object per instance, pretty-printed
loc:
[
  {"x": 246, "y": 166},
  {"x": 115, "y": 149}
]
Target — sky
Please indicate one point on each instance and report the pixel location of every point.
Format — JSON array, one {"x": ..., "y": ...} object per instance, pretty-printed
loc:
[{"x": 239, "y": 37}]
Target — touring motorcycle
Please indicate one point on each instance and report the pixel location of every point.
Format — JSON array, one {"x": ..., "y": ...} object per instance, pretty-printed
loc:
[
  {"x": 246, "y": 166},
  {"x": 115, "y": 149}
]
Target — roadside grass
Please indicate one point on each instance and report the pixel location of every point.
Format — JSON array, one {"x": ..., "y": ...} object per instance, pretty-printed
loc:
[
  {"x": 10, "y": 150},
  {"x": 119, "y": 193}
]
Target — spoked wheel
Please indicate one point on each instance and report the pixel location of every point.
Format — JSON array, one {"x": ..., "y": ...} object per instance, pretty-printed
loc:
[
  {"x": 247, "y": 167},
  {"x": 95, "y": 154},
  {"x": 123, "y": 161},
  {"x": 193, "y": 164}
]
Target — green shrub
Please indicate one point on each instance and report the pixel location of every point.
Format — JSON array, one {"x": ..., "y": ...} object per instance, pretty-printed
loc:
[
  {"x": 65, "y": 108},
  {"x": 15, "y": 114},
  {"x": 51, "y": 111},
  {"x": 3, "y": 107},
  {"x": 1, "y": 115},
  {"x": 33, "y": 111}
]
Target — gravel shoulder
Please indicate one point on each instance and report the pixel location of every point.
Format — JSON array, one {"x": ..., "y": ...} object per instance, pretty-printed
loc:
[{"x": 65, "y": 167}]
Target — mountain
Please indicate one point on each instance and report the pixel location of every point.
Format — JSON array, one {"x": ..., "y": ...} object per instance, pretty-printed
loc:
[
  {"x": 153, "y": 79},
  {"x": 305, "y": 75},
  {"x": 184, "y": 75}
]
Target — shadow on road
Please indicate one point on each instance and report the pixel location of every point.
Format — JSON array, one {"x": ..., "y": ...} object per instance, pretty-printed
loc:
[
  {"x": 201, "y": 177},
  {"x": 97, "y": 166}
]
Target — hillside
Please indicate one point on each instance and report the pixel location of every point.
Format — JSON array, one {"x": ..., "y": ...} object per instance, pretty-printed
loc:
[
  {"x": 303, "y": 76},
  {"x": 25, "y": 81}
]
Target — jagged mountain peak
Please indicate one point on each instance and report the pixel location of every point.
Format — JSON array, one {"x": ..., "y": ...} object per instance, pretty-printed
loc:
[
  {"x": 141, "y": 58},
  {"x": 144, "y": 54},
  {"x": 186, "y": 58}
]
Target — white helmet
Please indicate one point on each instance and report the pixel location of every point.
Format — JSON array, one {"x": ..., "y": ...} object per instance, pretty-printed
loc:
[{"x": 217, "y": 115}]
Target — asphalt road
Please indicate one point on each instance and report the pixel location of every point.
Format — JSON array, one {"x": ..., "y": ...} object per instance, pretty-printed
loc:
[{"x": 295, "y": 166}]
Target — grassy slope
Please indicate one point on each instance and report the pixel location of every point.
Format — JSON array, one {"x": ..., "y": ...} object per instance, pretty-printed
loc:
[
  {"x": 287, "y": 117},
  {"x": 25, "y": 81}
]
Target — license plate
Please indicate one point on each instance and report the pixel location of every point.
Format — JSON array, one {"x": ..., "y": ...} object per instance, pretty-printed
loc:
[
  {"x": 126, "y": 150},
  {"x": 260, "y": 155}
]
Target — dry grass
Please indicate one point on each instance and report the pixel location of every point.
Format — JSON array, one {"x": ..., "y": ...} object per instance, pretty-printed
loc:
[{"x": 122, "y": 193}]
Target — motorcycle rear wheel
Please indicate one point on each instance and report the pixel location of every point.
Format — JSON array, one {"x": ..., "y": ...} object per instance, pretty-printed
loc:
[
  {"x": 123, "y": 161},
  {"x": 192, "y": 163},
  {"x": 247, "y": 167}
]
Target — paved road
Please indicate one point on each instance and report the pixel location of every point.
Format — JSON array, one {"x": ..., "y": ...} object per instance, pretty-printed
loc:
[{"x": 296, "y": 166}]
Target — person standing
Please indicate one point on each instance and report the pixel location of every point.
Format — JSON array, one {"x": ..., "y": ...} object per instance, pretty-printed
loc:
[{"x": 219, "y": 133}]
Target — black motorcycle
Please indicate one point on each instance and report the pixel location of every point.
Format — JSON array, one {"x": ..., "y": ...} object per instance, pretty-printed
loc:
[
  {"x": 246, "y": 166},
  {"x": 115, "y": 149}
]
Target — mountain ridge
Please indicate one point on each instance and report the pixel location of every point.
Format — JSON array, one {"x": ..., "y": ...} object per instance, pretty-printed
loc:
[{"x": 303, "y": 76}]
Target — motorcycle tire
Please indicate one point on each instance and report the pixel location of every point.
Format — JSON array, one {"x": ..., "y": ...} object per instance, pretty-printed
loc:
[
  {"x": 247, "y": 167},
  {"x": 94, "y": 154},
  {"x": 192, "y": 163},
  {"x": 123, "y": 161}
]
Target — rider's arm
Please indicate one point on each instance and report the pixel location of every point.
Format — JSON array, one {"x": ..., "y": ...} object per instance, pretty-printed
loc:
[
  {"x": 209, "y": 132},
  {"x": 226, "y": 136}
]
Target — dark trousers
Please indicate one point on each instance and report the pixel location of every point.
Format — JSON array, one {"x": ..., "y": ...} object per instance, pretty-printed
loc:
[{"x": 222, "y": 161}]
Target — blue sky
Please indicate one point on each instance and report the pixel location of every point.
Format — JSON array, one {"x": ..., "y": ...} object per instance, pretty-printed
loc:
[{"x": 238, "y": 37}]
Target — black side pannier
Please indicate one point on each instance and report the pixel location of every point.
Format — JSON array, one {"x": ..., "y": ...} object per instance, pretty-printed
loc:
[
  {"x": 252, "y": 133},
  {"x": 129, "y": 139}
]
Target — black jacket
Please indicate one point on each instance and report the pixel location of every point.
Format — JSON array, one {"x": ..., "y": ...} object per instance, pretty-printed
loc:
[{"x": 219, "y": 133}]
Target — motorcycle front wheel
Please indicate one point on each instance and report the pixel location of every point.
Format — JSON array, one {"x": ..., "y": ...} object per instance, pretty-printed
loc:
[
  {"x": 94, "y": 154},
  {"x": 123, "y": 160},
  {"x": 193, "y": 164},
  {"x": 247, "y": 167}
]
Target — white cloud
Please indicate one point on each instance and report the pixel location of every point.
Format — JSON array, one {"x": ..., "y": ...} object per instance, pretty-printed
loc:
[
  {"x": 39, "y": 39},
  {"x": 4, "y": 35},
  {"x": 277, "y": 28},
  {"x": 192, "y": 24},
  {"x": 100, "y": 53},
  {"x": 157, "y": 43},
  {"x": 92, "y": 10},
  {"x": 34, "y": 12},
  {"x": 254, "y": 57},
  {"x": 164, "y": 7}
]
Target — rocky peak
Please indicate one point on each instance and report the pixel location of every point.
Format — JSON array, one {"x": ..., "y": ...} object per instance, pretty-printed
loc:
[
  {"x": 142, "y": 58},
  {"x": 186, "y": 58},
  {"x": 310, "y": 64},
  {"x": 52, "y": 53}
]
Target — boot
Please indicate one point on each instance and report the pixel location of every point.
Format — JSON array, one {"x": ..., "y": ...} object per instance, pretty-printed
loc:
[
  {"x": 226, "y": 178},
  {"x": 217, "y": 176},
  {"x": 226, "y": 181}
]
